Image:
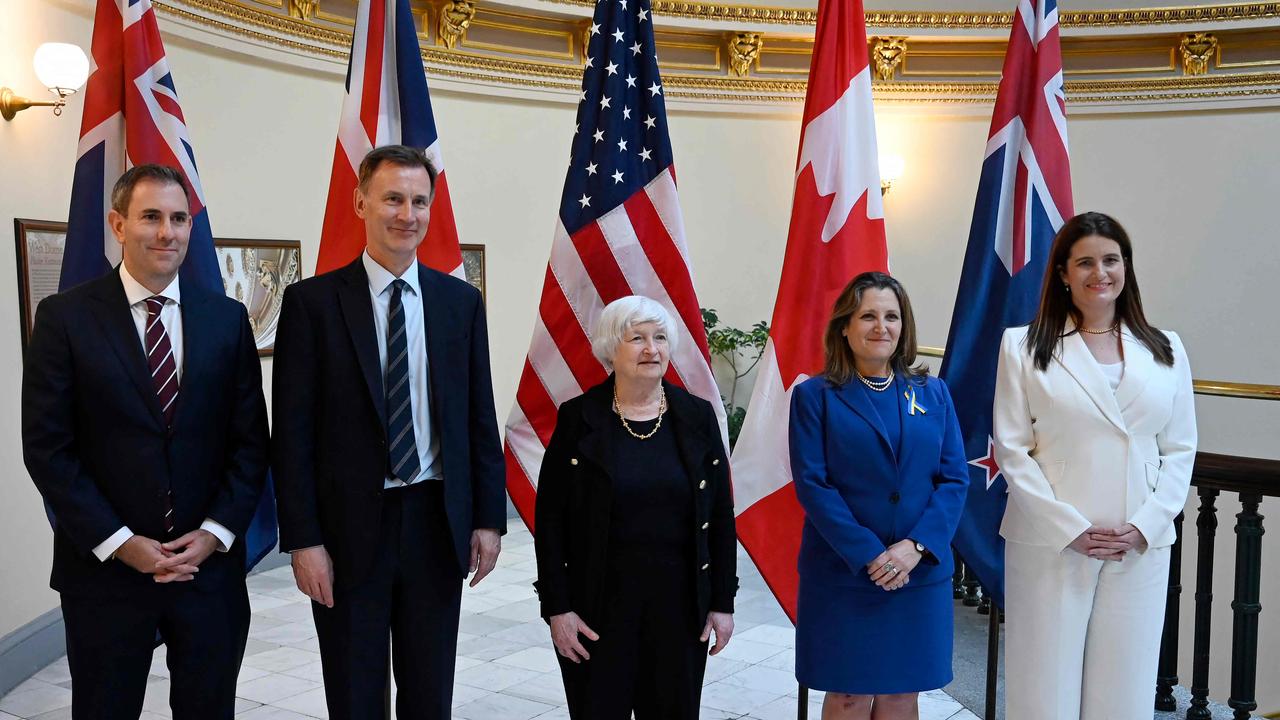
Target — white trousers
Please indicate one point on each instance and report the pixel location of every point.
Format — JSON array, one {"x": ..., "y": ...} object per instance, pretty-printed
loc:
[{"x": 1082, "y": 636}]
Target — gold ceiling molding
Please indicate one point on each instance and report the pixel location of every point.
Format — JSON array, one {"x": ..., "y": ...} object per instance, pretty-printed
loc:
[
  {"x": 232, "y": 17},
  {"x": 961, "y": 20}
]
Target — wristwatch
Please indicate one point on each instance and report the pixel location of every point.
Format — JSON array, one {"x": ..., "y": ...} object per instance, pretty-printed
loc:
[{"x": 920, "y": 548}]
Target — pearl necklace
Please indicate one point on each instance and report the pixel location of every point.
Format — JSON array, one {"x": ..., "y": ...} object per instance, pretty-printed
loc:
[
  {"x": 1108, "y": 331},
  {"x": 878, "y": 386},
  {"x": 662, "y": 409}
]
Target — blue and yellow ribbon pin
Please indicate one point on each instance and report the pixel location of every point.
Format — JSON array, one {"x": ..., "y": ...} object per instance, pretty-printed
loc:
[{"x": 910, "y": 395}]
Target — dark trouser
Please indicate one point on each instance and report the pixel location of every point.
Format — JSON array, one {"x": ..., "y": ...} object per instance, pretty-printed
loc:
[
  {"x": 407, "y": 603},
  {"x": 648, "y": 658},
  {"x": 110, "y": 641}
]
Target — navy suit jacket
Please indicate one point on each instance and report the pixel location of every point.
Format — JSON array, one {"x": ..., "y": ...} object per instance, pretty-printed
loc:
[
  {"x": 95, "y": 442},
  {"x": 329, "y": 446},
  {"x": 859, "y": 496}
]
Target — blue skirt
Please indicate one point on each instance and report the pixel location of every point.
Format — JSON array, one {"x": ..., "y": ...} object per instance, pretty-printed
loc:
[{"x": 861, "y": 642}]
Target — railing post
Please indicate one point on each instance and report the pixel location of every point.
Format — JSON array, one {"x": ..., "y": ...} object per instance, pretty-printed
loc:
[
  {"x": 1206, "y": 526},
  {"x": 1167, "y": 675},
  {"x": 957, "y": 577},
  {"x": 971, "y": 596},
  {"x": 1246, "y": 607}
]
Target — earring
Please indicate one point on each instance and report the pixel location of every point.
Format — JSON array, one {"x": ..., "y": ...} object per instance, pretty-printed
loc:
[{"x": 1067, "y": 287}]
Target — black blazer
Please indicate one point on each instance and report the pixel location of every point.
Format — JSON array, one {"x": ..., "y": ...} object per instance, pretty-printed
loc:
[
  {"x": 329, "y": 448},
  {"x": 95, "y": 442},
  {"x": 574, "y": 503}
]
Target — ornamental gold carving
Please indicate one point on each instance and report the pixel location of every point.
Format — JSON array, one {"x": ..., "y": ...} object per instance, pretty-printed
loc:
[
  {"x": 455, "y": 18},
  {"x": 888, "y": 53},
  {"x": 744, "y": 51},
  {"x": 1197, "y": 49},
  {"x": 303, "y": 9}
]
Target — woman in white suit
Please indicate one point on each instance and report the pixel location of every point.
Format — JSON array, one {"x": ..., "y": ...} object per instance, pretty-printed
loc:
[{"x": 1095, "y": 433}]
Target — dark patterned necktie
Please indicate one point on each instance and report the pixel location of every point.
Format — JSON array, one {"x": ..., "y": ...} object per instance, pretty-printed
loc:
[
  {"x": 164, "y": 378},
  {"x": 402, "y": 450}
]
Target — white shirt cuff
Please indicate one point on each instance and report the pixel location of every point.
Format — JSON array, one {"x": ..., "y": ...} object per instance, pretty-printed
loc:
[
  {"x": 108, "y": 547},
  {"x": 225, "y": 536}
]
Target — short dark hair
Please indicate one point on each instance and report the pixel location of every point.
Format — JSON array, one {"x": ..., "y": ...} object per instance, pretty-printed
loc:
[
  {"x": 1045, "y": 334},
  {"x": 839, "y": 367},
  {"x": 398, "y": 155},
  {"x": 122, "y": 193}
]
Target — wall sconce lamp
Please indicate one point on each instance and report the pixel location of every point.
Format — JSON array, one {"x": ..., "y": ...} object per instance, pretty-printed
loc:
[
  {"x": 891, "y": 167},
  {"x": 61, "y": 67}
]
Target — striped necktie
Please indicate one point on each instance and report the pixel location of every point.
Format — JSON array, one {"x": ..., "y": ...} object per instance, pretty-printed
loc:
[
  {"x": 402, "y": 450},
  {"x": 164, "y": 378}
]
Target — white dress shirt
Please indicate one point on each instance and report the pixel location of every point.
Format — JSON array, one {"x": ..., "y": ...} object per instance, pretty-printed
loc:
[
  {"x": 425, "y": 437},
  {"x": 171, "y": 318}
]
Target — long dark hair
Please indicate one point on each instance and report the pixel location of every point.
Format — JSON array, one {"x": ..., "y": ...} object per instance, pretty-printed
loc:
[
  {"x": 840, "y": 367},
  {"x": 1047, "y": 330}
]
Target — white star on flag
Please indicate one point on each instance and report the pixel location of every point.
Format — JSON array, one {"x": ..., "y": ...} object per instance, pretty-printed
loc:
[
  {"x": 644, "y": 153},
  {"x": 611, "y": 68},
  {"x": 617, "y": 177},
  {"x": 617, "y": 36},
  {"x": 655, "y": 90}
]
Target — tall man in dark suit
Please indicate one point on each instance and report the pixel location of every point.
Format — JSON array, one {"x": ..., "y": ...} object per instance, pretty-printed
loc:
[
  {"x": 387, "y": 462},
  {"x": 144, "y": 427}
]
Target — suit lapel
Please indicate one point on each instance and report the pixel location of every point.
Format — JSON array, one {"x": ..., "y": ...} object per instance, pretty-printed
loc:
[
  {"x": 196, "y": 344},
  {"x": 850, "y": 394},
  {"x": 437, "y": 320},
  {"x": 357, "y": 311},
  {"x": 690, "y": 439},
  {"x": 1079, "y": 363},
  {"x": 1139, "y": 365},
  {"x": 116, "y": 320}
]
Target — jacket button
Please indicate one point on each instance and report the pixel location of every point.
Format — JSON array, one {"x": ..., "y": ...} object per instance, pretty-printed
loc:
[
  {"x": 705, "y": 525},
  {"x": 702, "y": 485},
  {"x": 706, "y": 565},
  {"x": 894, "y": 497},
  {"x": 715, "y": 461},
  {"x": 573, "y": 461}
]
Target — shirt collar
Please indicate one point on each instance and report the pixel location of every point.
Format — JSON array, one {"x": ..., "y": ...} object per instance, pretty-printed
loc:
[
  {"x": 381, "y": 278},
  {"x": 136, "y": 292}
]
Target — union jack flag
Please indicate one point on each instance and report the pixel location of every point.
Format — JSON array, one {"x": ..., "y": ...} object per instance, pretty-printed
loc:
[
  {"x": 1024, "y": 197},
  {"x": 132, "y": 117},
  {"x": 619, "y": 232},
  {"x": 386, "y": 103}
]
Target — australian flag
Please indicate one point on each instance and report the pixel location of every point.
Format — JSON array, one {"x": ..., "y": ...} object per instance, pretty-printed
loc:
[
  {"x": 1024, "y": 197},
  {"x": 132, "y": 117}
]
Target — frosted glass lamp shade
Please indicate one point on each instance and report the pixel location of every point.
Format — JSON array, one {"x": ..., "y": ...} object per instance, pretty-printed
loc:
[
  {"x": 61, "y": 65},
  {"x": 891, "y": 168}
]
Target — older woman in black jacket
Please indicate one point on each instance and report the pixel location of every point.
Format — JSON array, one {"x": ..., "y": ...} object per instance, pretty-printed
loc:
[{"x": 634, "y": 530}]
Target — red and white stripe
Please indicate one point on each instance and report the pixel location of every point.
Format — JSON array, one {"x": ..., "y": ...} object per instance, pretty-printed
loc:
[{"x": 636, "y": 249}]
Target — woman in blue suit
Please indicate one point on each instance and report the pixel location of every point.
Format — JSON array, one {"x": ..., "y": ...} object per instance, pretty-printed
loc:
[{"x": 879, "y": 468}]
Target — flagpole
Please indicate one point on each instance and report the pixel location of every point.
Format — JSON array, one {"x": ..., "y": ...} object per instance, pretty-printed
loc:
[{"x": 993, "y": 660}]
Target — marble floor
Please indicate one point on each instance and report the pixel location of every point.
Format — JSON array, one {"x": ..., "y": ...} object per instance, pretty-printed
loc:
[{"x": 506, "y": 667}]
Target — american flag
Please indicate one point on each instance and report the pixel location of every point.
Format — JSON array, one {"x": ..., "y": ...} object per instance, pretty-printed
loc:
[
  {"x": 386, "y": 103},
  {"x": 619, "y": 232},
  {"x": 1024, "y": 197},
  {"x": 132, "y": 117},
  {"x": 837, "y": 231}
]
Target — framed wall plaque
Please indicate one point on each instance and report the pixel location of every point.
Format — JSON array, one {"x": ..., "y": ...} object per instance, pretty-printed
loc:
[
  {"x": 39, "y": 244},
  {"x": 473, "y": 266},
  {"x": 256, "y": 272}
]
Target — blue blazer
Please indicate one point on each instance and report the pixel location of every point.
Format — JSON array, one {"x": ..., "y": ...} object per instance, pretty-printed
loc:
[{"x": 859, "y": 496}]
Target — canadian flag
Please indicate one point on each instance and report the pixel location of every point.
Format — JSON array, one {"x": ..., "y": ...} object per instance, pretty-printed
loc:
[{"x": 837, "y": 231}]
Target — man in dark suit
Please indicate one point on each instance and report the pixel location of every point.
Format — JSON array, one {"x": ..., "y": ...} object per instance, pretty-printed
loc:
[
  {"x": 144, "y": 428},
  {"x": 387, "y": 462}
]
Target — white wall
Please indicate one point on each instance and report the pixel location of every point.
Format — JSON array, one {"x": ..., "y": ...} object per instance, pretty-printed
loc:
[{"x": 1196, "y": 192}]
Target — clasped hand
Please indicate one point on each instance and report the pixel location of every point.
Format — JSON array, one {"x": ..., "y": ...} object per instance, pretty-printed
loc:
[
  {"x": 175, "y": 561},
  {"x": 892, "y": 568},
  {"x": 1111, "y": 544}
]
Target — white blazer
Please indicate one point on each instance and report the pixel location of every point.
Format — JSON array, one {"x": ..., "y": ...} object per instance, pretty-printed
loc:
[{"x": 1076, "y": 454}]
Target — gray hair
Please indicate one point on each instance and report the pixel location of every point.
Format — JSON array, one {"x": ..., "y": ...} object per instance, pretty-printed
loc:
[{"x": 623, "y": 314}]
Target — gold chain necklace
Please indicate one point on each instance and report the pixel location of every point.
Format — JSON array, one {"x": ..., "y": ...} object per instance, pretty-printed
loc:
[
  {"x": 1108, "y": 331},
  {"x": 662, "y": 409},
  {"x": 878, "y": 386}
]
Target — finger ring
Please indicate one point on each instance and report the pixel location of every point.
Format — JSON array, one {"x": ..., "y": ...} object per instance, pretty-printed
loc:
[
  {"x": 890, "y": 566},
  {"x": 893, "y": 570}
]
